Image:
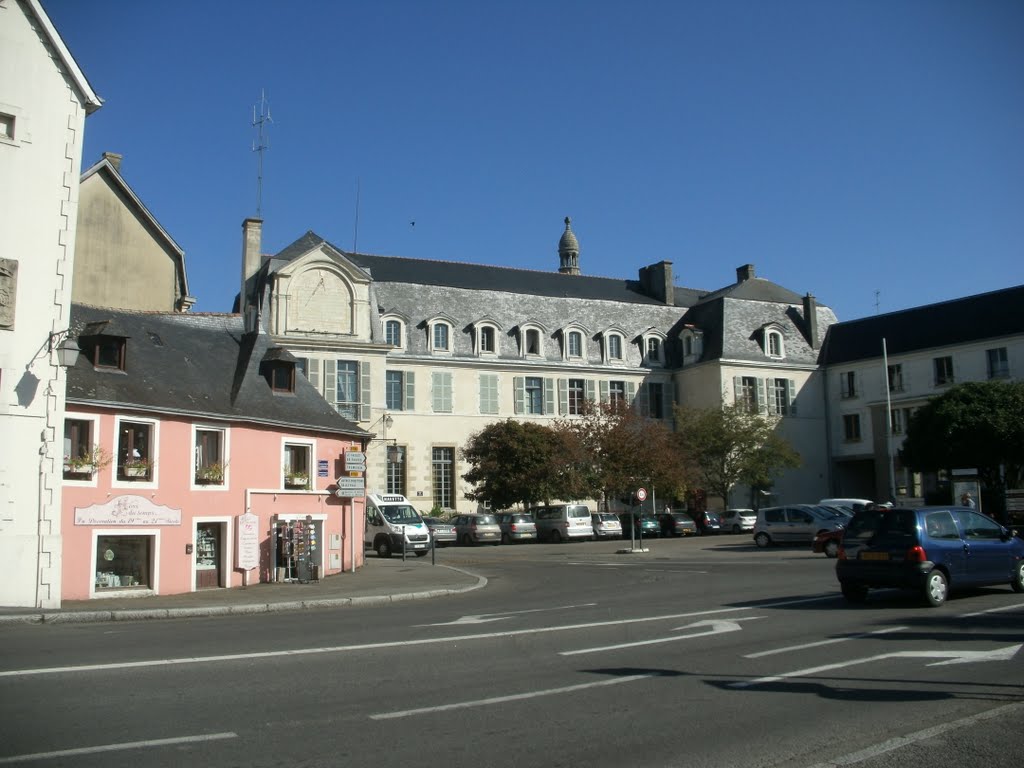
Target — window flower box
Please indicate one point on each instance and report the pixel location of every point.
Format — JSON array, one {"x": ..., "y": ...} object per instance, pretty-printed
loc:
[
  {"x": 296, "y": 480},
  {"x": 210, "y": 474},
  {"x": 86, "y": 463},
  {"x": 137, "y": 468}
]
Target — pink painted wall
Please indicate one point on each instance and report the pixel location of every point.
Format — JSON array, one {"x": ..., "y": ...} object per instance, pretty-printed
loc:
[{"x": 255, "y": 464}]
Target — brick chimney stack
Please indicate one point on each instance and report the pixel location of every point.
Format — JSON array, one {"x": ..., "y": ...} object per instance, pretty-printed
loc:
[
  {"x": 744, "y": 273},
  {"x": 252, "y": 236},
  {"x": 656, "y": 281},
  {"x": 811, "y": 319}
]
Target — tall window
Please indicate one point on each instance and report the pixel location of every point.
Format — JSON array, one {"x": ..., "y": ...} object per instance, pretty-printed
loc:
[
  {"x": 779, "y": 402},
  {"x": 746, "y": 393},
  {"x": 898, "y": 418},
  {"x": 487, "y": 339},
  {"x": 135, "y": 451},
  {"x": 489, "y": 393},
  {"x": 297, "y": 465},
  {"x": 532, "y": 341},
  {"x": 773, "y": 344},
  {"x": 896, "y": 377},
  {"x": 848, "y": 384},
  {"x": 617, "y": 394},
  {"x": 687, "y": 345},
  {"x": 998, "y": 363},
  {"x": 394, "y": 390},
  {"x": 614, "y": 347},
  {"x": 654, "y": 350},
  {"x": 443, "y": 472},
  {"x": 393, "y": 333},
  {"x": 210, "y": 464},
  {"x": 577, "y": 396},
  {"x": 575, "y": 344},
  {"x": 347, "y": 400},
  {"x": 440, "y": 336},
  {"x": 395, "y": 457},
  {"x": 534, "y": 401},
  {"x": 441, "y": 391},
  {"x": 851, "y": 427},
  {"x": 81, "y": 457},
  {"x": 943, "y": 370},
  {"x": 655, "y": 400}
]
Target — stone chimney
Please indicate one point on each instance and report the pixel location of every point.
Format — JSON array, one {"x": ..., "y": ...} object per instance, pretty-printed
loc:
[
  {"x": 252, "y": 236},
  {"x": 811, "y": 319},
  {"x": 744, "y": 273},
  {"x": 656, "y": 281},
  {"x": 114, "y": 159}
]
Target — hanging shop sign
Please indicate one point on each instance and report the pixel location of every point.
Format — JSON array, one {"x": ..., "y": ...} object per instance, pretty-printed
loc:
[{"x": 127, "y": 510}]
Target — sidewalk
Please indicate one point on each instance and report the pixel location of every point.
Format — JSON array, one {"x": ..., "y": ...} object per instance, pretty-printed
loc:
[{"x": 378, "y": 581}]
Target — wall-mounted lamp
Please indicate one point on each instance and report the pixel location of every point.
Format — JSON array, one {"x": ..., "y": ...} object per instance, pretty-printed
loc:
[{"x": 67, "y": 350}]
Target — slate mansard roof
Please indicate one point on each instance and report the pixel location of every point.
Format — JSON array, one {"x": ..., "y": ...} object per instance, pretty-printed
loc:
[
  {"x": 419, "y": 289},
  {"x": 959, "y": 321},
  {"x": 193, "y": 365}
]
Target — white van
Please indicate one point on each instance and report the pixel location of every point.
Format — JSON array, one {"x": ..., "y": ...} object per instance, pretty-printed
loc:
[
  {"x": 563, "y": 522},
  {"x": 393, "y": 523},
  {"x": 854, "y": 505}
]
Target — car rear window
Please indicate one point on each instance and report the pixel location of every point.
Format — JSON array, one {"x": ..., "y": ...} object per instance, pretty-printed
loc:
[
  {"x": 578, "y": 510},
  {"x": 521, "y": 519},
  {"x": 485, "y": 520},
  {"x": 887, "y": 523}
]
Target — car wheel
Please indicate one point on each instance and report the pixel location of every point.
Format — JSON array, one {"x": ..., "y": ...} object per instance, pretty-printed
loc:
[
  {"x": 735, "y": 529},
  {"x": 936, "y": 588},
  {"x": 383, "y": 548},
  {"x": 1018, "y": 578},
  {"x": 831, "y": 548},
  {"x": 763, "y": 540},
  {"x": 556, "y": 537},
  {"x": 854, "y": 593}
]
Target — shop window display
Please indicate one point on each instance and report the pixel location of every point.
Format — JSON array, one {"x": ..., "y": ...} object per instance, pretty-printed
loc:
[{"x": 123, "y": 561}]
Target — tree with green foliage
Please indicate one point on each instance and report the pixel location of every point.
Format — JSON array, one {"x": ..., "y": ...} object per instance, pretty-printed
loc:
[
  {"x": 979, "y": 424},
  {"x": 515, "y": 462},
  {"x": 732, "y": 445},
  {"x": 614, "y": 450}
]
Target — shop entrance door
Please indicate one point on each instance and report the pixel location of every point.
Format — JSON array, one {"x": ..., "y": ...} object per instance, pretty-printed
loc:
[{"x": 208, "y": 554}]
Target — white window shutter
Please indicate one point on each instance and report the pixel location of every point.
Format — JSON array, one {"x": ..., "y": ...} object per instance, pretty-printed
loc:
[
  {"x": 364, "y": 390},
  {"x": 409, "y": 379},
  {"x": 520, "y": 394},
  {"x": 314, "y": 372},
  {"x": 791, "y": 396},
  {"x": 549, "y": 397},
  {"x": 630, "y": 392},
  {"x": 591, "y": 390},
  {"x": 330, "y": 381},
  {"x": 761, "y": 402},
  {"x": 563, "y": 397},
  {"x": 604, "y": 391}
]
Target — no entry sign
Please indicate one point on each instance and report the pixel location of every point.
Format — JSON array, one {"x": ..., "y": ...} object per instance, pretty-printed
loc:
[{"x": 641, "y": 494}]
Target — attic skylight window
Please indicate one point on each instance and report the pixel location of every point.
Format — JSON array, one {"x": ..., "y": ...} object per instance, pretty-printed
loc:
[
  {"x": 281, "y": 376},
  {"x": 107, "y": 352}
]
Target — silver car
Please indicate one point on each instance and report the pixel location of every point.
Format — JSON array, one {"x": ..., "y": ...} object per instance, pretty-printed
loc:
[
  {"x": 793, "y": 524},
  {"x": 605, "y": 525},
  {"x": 441, "y": 531},
  {"x": 738, "y": 520},
  {"x": 476, "y": 529},
  {"x": 516, "y": 526}
]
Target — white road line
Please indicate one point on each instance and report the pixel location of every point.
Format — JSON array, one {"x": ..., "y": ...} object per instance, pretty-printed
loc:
[
  {"x": 396, "y": 643},
  {"x": 714, "y": 627},
  {"x": 823, "y": 642},
  {"x": 512, "y": 697},
  {"x": 1004, "y": 608},
  {"x": 927, "y": 733},
  {"x": 117, "y": 747}
]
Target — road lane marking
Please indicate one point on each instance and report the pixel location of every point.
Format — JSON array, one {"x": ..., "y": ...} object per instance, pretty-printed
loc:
[
  {"x": 117, "y": 747},
  {"x": 406, "y": 643},
  {"x": 951, "y": 657},
  {"x": 511, "y": 697},
  {"x": 1001, "y": 609},
  {"x": 715, "y": 627},
  {"x": 789, "y": 648},
  {"x": 483, "y": 618},
  {"x": 912, "y": 738}
]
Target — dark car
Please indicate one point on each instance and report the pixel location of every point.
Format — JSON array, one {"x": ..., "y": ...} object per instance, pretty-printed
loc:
[
  {"x": 677, "y": 524},
  {"x": 516, "y": 526},
  {"x": 647, "y": 523},
  {"x": 707, "y": 522},
  {"x": 928, "y": 549}
]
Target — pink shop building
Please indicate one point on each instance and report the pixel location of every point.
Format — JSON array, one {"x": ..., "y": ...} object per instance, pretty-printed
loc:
[{"x": 196, "y": 456}]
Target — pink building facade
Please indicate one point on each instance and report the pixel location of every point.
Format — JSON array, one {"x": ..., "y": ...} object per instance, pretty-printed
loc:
[{"x": 187, "y": 468}]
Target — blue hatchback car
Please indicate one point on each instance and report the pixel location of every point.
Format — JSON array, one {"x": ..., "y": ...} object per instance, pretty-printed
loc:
[{"x": 929, "y": 549}]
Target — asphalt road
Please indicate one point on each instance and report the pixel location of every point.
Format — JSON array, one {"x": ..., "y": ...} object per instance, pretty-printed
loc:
[{"x": 701, "y": 652}]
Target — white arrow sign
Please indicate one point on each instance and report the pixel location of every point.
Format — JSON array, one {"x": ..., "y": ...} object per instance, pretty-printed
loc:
[
  {"x": 951, "y": 657},
  {"x": 484, "y": 618},
  {"x": 706, "y": 627}
]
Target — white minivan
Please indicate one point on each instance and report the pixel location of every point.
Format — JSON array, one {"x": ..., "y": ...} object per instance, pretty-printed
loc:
[
  {"x": 563, "y": 522},
  {"x": 394, "y": 525}
]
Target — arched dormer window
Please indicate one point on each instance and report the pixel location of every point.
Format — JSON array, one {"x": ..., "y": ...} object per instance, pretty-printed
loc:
[
  {"x": 574, "y": 342},
  {"x": 393, "y": 332},
  {"x": 439, "y": 334},
  {"x": 613, "y": 346},
  {"x": 693, "y": 345},
  {"x": 485, "y": 337},
  {"x": 774, "y": 343},
  {"x": 531, "y": 340},
  {"x": 653, "y": 347}
]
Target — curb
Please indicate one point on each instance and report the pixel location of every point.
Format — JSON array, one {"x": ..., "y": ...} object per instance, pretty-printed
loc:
[{"x": 148, "y": 614}]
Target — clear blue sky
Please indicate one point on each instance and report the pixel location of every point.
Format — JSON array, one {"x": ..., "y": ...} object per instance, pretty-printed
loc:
[{"x": 840, "y": 147}]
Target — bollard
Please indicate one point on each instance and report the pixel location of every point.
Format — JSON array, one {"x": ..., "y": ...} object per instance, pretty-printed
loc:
[{"x": 403, "y": 543}]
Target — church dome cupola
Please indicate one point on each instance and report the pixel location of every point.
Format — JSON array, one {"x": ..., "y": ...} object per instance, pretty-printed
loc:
[{"x": 568, "y": 251}]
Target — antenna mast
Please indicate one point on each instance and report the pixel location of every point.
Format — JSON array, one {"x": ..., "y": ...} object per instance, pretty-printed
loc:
[{"x": 261, "y": 143}]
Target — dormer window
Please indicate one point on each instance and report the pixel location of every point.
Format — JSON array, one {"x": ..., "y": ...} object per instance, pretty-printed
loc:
[
  {"x": 278, "y": 367},
  {"x": 692, "y": 345},
  {"x": 393, "y": 332},
  {"x": 613, "y": 347},
  {"x": 105, "y": 352},
  {"x": 532, "y": 341},
  {"x": 773, "y": 343},
  {"x": 487, "y": 343},
  {"x": 653, "y": 349},
  {"x": 440, "y": 337},
  {"x": 574, "y": 344}
]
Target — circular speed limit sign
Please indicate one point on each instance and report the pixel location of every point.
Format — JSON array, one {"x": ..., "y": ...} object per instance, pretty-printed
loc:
[{"x": 641, "y": 494}]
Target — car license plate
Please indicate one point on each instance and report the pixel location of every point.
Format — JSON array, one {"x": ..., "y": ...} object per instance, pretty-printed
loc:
[{"x": 874, "y": 555}]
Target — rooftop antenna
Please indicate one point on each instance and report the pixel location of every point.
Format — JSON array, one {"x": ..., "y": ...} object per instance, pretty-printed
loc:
[
  {"x": 878, "y": 300},
  {"x": 261, "y": 143}
]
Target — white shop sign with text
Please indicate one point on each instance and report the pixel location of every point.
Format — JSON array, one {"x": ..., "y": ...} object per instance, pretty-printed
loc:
[{"x": 127, "y": 510}]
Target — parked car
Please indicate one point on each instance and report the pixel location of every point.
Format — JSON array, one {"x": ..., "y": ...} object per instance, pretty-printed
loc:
[
  {"x": 516, "y": 526},
  {"x": 738, "y": 520},
  {"x": 441, "y": 531},
  {"x": 793, "y": 524},
  {"x": 828, "y": 542},
  {"x": 605, "y": 525},
  {"x": 707, "y": 522},
  {"x": 563, "y": 522},
  {"x": 676, "y": 524},
  {"x": 855, "y": 505},
  {"x": 928, "y": 549},
  {"x": 648, "y": 524},
  {"x": 476, "y": 528}
]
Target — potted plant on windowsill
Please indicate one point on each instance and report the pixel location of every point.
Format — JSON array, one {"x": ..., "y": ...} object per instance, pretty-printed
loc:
[
  {"x": 137, "y": 467},
  {"x": 296, "y": 479},
  {"x": 86, "y": 463},
  {"x": 210, "y": 474}
]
